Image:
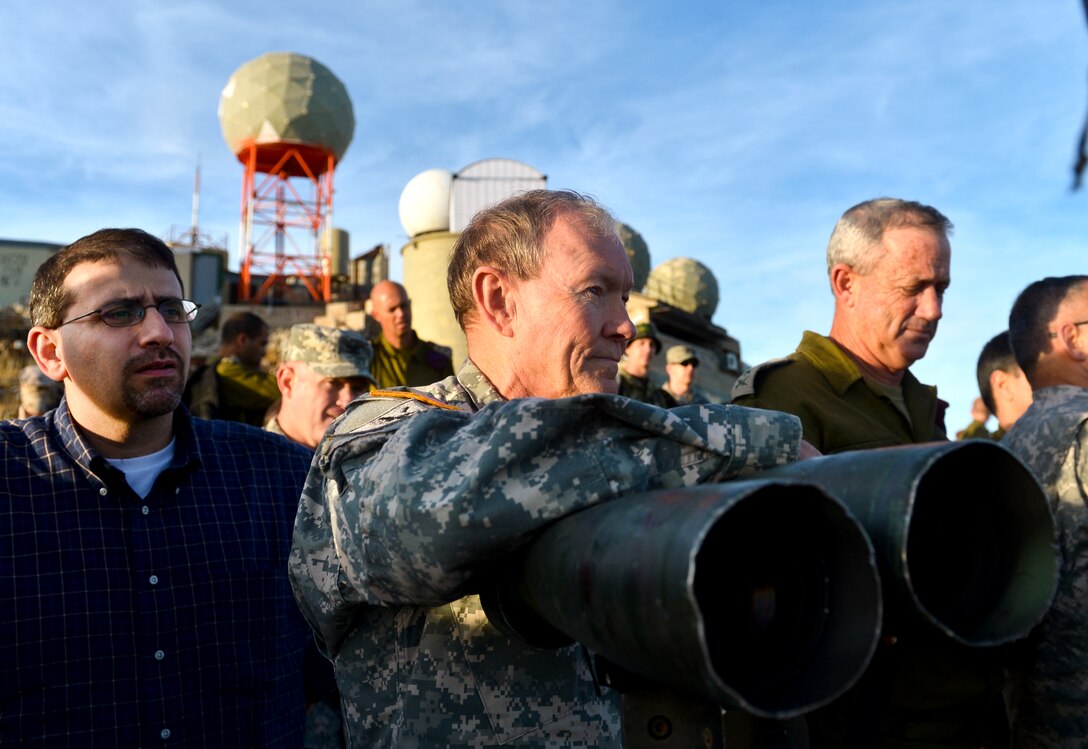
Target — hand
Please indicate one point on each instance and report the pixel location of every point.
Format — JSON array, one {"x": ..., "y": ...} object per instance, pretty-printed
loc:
[{"x": 807, "y": 451}]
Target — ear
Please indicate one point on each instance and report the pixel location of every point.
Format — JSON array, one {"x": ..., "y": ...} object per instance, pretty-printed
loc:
[
  {"x": 285, "y": 379},
  {"x": 1066, "y": 343},
  {"x": 46, "y": 347},
  {"x": 998, "y": 378},
  {"x": 496, "y": 300},
  {"x": 843, "y": 283}
]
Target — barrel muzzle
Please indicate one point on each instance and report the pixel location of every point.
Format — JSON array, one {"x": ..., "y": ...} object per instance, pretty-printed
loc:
[
  {"x": 963, "y": 532},
  {"x": 763, "y": 595}
]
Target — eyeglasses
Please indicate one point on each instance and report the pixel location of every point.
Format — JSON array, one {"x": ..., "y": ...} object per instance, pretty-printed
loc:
[
  {"x": 1076, "y": 324},
  {"x": 127, "y": 314},
  {"x": 689, "y": 363}
]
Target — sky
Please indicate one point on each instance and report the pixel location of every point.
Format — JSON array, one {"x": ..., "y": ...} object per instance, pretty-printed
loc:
[{"x": 735, "y": 133}]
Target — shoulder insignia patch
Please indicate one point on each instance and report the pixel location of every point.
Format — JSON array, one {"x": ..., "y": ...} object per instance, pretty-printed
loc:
[
  {"x": 746, "y": 383},
  {"x": 412, "y": 395}
]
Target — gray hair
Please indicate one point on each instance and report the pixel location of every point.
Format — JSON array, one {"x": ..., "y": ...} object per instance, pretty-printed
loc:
[
  {"x": 509, "y": 236},
  {"x": 861, "y": 230}
]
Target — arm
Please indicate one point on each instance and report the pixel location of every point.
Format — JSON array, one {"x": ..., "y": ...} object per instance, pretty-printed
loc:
[{"x": 411, "y": 513}]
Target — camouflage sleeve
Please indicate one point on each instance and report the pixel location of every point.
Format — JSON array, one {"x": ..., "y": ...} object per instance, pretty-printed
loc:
[{"x": 413, "y": 513}]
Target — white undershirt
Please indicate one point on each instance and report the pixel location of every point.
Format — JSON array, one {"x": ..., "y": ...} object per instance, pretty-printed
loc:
[{"x": 141, "y": 472}]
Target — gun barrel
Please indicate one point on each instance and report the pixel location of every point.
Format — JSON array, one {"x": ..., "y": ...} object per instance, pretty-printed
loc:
[
  {"x": 762, "y": 595},
  {"x": 963, "y": 532}
]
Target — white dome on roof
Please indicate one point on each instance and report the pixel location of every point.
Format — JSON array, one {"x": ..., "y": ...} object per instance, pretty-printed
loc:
[{"x": 425, "y": 202}]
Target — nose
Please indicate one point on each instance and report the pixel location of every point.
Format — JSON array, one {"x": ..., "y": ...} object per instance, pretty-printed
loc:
[
  {"x": 154, "y": 330},
  {"x": 929, "y": 305},
  {"x": 625, "y": 329},
  {"x": 345, "y": 395}
]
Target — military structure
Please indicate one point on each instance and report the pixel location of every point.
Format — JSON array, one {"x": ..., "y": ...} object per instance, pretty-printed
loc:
[
  {"x": 679, "y": 296},
  {"x": 289, "y": 120}
]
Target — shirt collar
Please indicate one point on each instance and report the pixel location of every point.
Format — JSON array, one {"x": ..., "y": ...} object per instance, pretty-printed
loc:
[
  {"x": 834, "y": 364},
  {"x": 186, "y": 449},
  {"x": 479, "y": 388}
]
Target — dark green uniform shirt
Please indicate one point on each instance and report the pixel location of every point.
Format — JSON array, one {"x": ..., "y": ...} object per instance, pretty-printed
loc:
[
  {"x": 838, "y": 409},
  {"x": 415, "y": 366},
  {"x": 642, "y": 389}
]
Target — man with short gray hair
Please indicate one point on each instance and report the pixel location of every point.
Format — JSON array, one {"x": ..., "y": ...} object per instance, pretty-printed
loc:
[
  {"x": 321, "y": 371},
  {"x": 416, "y": 496},
  {"x": 888, "y": 264}
]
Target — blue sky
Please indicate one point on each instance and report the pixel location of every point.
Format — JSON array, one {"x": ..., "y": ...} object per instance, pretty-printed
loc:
[{"x": 735, "y": 133}]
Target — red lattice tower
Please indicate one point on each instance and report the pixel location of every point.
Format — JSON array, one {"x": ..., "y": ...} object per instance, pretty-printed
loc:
[{"x": 289, "y": 121}]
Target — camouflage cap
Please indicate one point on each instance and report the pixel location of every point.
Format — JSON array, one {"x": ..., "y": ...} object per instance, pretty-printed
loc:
[
  {"x": 31, "y": 375},
  {"x": 680, "y": 354},
  {"x": 647, "y": 330},
  {"x": 331, "y": 352}
]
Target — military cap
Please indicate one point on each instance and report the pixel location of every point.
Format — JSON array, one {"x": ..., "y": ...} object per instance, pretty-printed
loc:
[
  {"x": 647, "y": 330},
  {"x": 331, "y": 352},
  {"x": 680, "y": 354}
]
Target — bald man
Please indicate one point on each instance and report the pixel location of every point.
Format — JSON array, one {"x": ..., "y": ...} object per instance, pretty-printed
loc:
[{"x": 400, "y": 356}]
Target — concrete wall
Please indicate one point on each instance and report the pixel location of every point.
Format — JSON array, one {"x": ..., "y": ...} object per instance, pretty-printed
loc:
[
  {"x": 19, "y": 262},
  {"x": 426, "y": 259}
]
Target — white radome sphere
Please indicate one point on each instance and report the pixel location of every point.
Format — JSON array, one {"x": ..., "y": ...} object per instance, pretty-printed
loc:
[{"x": 425, "y": 202}]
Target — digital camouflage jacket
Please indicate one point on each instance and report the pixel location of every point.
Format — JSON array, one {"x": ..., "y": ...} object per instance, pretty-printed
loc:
[
  {"x": 414, "y": 496},
  {"x": 1051, "y": 437}
]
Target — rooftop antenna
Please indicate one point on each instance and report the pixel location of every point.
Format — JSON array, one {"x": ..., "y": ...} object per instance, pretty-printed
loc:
[{"x": 194, "y": 232}]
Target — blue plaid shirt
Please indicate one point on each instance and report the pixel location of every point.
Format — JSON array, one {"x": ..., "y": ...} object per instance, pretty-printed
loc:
[{"x": 158, "y": 622}]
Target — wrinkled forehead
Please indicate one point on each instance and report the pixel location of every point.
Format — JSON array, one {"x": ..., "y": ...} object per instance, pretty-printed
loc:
[
  {"x": 103, "y": 281},
  {"x": 581, "y": 254}
]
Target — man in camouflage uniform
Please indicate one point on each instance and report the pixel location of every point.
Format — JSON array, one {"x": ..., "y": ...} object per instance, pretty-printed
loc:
[
  {"x": 1048, "y": 328},
  {"x": 888, "y": 264},
  {"x": 634, "y": 376},
  {"x": 681, "y": 363},
  {"x": 1004, "y": 387},
  {"x": 37, "y": 393},
  {"x": 321, "y": 371},
  {"x": 415, "y": 495},
  {"x": 400, "y": 356}
]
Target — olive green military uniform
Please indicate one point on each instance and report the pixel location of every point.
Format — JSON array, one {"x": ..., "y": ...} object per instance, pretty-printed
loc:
[
  {"x": 838, "y": 409},
  {"x": 976, "y": 430},
  {"x": 245, "y": 393},
  {"x": 924, "y": 690},
  {"x": 642, "y": 389},
  {"x": 419, "y": 364}
]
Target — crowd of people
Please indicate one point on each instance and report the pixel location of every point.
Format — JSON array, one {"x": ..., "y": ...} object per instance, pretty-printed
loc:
[{"x": 245, "y": 557}]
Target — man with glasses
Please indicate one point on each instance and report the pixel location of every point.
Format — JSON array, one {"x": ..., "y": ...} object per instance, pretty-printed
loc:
[
  {"x": 680, "y": 365},
  {"x": 141, "y": 551},
  {"x": 1048, "y": 329}
]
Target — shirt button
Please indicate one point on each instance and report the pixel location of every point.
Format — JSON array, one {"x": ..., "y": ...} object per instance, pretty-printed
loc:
[
  {"x": 154, "y": 579},
  {"x": 144, "y": 510},
  {"x": 159, "y": 655},
  {"x": 165, "y": 733},
  {"x": 103, "y": 491}
]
